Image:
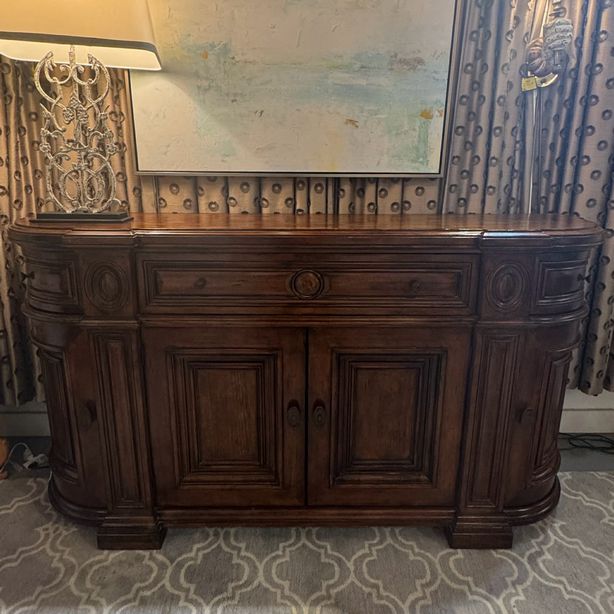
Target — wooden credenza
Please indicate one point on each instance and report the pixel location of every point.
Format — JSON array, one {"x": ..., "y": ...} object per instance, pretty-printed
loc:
[{"x": 318, "y": 370}]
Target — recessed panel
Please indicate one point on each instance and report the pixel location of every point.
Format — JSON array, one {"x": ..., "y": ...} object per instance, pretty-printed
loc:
[
  {"x": 386, "y": 415},
  {"x": 225, "y": 409},
  {"x": 391, "y": 437},
  {"x": 228, "y": 413}
]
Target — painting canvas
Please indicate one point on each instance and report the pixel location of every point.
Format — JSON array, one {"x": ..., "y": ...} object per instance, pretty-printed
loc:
[{"x": 347, "y": 87}]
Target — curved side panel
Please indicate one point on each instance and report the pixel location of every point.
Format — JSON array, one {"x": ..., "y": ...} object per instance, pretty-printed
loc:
[
  {"x": 75, "y": 458},
  {"x": 534, "y": 456},
  {"x": 534, "y": 512},
  {"x": 78, "y": 513}
]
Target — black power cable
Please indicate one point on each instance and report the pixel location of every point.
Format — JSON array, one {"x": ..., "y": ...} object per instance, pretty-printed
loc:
[{"x": 588, "y": 441}]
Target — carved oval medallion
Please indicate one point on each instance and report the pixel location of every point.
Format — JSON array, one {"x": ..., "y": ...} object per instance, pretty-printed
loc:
[
  {"x": 307, "y": 284},
  {"x": 506, "y": 287},
  {"x": 106, "y": 287}
]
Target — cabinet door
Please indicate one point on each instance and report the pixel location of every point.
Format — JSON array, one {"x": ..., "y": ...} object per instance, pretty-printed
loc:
[
  {"x": 536, "y": 412},
  {"x": 226, "y": 415},
  {"x": 385, "y": 415}
]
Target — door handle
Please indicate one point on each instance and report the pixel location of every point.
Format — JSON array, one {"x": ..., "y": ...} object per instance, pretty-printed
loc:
[
  {"x": 319, "y": 414},
  {"x": 294, "y": 414}
]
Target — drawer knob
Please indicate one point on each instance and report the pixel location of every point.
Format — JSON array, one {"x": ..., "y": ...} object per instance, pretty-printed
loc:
[
  {"x": 307, "y": 285},
  {"x": 200, "y": 283}
]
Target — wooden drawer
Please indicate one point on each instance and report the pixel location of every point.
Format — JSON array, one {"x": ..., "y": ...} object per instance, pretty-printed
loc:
[
  {"x": 53, "y": 284},
  {"x": 242, "y": 285},
  {"x": 560, "y": 283}
]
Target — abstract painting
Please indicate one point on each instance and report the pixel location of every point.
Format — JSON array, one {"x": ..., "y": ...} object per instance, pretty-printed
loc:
[{"x": 335, "y": 87}]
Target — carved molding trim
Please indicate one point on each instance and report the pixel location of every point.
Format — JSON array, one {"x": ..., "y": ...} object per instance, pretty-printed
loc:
[
  {"x": 121, "y": 420},
  {"x": 495, "y": 370},
  {"x": 106, "y": 286},
  {"x": 307, "y": 285},
  {"x": 506, "y": 287}
]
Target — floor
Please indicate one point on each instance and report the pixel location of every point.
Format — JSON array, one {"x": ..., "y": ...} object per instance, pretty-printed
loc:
[
  {"x": 564, "y": 564},
  {"x": 584, "y": 460}
]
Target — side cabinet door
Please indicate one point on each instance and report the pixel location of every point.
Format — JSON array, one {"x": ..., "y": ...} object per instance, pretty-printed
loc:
[
  {"x": 536, "y": 415},
  {"x": 226, "y": 415},
  {"x": 385, "y": 414}
]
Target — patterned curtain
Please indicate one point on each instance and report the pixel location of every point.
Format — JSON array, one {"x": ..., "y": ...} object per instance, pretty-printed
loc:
[
  {"x": 576, "y": 172},
  {"x": 21, "y": 183},
  {"x": 490, "y": 156},
  {"x": 494, "y": 132}
]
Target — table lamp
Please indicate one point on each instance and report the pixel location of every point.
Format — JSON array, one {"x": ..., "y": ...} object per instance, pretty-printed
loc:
[{"x": 73, "y": 43}]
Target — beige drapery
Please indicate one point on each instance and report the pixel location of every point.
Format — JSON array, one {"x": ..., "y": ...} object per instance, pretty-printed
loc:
[{"x": 487, "y": 171}]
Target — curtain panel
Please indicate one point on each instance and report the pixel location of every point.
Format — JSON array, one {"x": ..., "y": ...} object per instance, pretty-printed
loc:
[
  {"x": 491, "y": 167},
  {"x": 495, "y": 129}
]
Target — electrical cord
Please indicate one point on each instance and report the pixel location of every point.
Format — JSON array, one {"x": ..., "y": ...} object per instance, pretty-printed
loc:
[
  {"x": 588, "y": 441},
  {"x": 29, "y": 460},
  {"x": 10, "y": 454}
]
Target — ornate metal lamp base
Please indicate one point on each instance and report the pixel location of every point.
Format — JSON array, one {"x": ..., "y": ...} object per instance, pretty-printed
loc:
[
  {"x": 76, "y": 140},
  {"x": 95, "y": 218}
]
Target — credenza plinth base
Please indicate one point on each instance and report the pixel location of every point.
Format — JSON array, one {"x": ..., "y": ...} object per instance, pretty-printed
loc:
[
  {"x": 472, "y": 532},
  {"x": 130, "y": 537}
]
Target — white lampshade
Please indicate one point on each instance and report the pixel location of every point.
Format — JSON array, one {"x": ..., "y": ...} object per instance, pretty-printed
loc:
[{"x": 117, "y": 32}]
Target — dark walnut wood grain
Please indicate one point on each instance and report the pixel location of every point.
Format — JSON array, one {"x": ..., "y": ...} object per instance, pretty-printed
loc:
[{"x": 239, "y": 370}]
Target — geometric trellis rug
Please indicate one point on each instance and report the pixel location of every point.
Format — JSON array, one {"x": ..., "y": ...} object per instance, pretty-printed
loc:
[{"x": 562, "y": 565}]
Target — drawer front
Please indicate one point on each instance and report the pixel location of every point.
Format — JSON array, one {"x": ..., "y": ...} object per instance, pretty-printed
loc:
[
  {"x": 560, "y": 283},
  {"x": 53, "y": 285},
  {"x": 308, "y": 285}
]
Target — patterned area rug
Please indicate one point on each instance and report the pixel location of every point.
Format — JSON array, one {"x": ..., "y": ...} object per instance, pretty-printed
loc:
[{"x": 563, "y": 565}]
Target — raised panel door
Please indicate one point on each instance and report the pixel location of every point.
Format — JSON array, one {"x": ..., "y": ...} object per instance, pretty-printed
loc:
[
  {"x": 226, "y": 415},
  {"x": 386, "y": 408}
]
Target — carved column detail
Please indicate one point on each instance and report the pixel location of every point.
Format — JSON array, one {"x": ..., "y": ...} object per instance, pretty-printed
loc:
[
  {"x": 124, "y": 430},
  {"x": 481, "y": 521}
]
